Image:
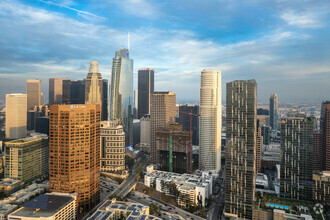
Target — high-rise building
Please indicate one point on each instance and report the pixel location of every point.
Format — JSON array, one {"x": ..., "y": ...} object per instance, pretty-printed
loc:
[
  {"x": 258, "y": 150},
  {"x": 241, "y": 130},
  {"x": 55, "y": 91},
  {"x": 162, "y": 113},
  {"x": 42, "y": 99},
  {"x": 145, "y": 89},
  {"x": 210, "y": 121},
  {"x": 296, "y": 160},
  {"x": 184, "y": 119},
  {"x": 173, "y": 149},
  {"x": 27, "y": 158},
  {"x": 104, "y": 114},
  {"x": 33, "y": 115},
  {"x": 121, "y": 93},
  {"x": 112, "y": 147},
  {"x": 325, "y": 135},
  {"x": 73, "y": 92},
  {"x": 74, "y": 152},
  {"x": 321, "y": 188},
  {"x": 94, "y": 86},
  {"x": 16, "y": 116},
  {"x": 33, "y": 92},
  {"x": 317, "y": 150},
  {"x": 273, "y": 105},
  {"x": 145, "y": 132}
]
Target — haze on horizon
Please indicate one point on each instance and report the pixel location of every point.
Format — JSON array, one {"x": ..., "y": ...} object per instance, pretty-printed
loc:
[{"x": 284, "y": 45}]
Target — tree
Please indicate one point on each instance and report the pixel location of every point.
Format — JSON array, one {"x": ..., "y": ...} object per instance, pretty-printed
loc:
[
  {"x": 153, "y": 209},
  {"x": 139, "y": 171}
]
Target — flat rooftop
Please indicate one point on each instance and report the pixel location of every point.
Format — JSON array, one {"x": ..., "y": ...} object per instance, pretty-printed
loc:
[{"x": 27, "y": 139}]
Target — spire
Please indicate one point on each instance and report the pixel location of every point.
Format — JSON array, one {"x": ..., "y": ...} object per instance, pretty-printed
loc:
[{"x": 128, "y": 41}]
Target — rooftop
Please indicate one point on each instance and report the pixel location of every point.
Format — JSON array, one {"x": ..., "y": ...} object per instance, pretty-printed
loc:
[{"x": 27, "y": 139}]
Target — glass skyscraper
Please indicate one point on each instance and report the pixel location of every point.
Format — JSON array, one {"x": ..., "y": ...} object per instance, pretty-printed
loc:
[{"x": 121, "y": 92}]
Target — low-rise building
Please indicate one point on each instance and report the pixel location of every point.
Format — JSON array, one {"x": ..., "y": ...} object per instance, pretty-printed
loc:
[
  {"x": 197, "y": 188},
  {"x": 113, "y": 210},
  {"x": 48, "y": 207},
  {"x": 6, "y": 209},
  {"x": 261, "y": 181},
  {"x": 8, "y": 186}
]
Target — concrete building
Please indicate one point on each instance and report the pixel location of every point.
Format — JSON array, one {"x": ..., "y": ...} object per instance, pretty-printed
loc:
[
  {"x": 317, "y": 150},
  {"x": 74, "y": 152},
  {"x": 258, "y": 150},
  {"x": 27, "y": 158},
  {"x": 6, "y": 209},
  {"x": 8, "y": 186},
  {"x": 16, "y": 116},
  {"x": 210, "y": 121},
  {"x": 325, "y": 135},
  {"x": 49, "y": 206},
  {"x": 184, "y": 119},
  {"x": 273, "y": 114},
  {"x": 33, "y": 92},
  {"x": 145, "y": 132},
  {"x": 261, "y": 181},
  {"x": 296, "y": 157},
  {"x": 198, "y": 188},
  {"x": 112, "y": 147},
  {"x": 55, "y": 91},
  {"x": 73, "y": 92},
  {"x": 145, "y": 89},
  {"x": 173, "y": 149},
  {"x": 121, "y": 93},
  {"x": 321, "y": 188},
  {"x": 241, "y": 130},
  {"x": 163, "y": 113}
]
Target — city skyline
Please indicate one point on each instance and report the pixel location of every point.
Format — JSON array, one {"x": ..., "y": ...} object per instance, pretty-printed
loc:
[{"x": 282, "y": 41}]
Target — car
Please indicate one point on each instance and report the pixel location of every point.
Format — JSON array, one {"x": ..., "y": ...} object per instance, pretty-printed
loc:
[{"x": 176, "y": 213}]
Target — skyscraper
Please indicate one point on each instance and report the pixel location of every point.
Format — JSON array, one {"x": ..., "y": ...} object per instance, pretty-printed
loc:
[
  {"x": 258, "y": 150},
  {"x": 104, "y": 114},
  {"x": 317, "y": 150},
  {"x": 162, "y": 113},
  {"x": 121, "y": 92},
  {"x": 325, "y": 135},
  {"x": 33, "y": 92},
  {"x": 145, "y": 89},
  {"x": 273, "y": 117},
  {"x": 241, "y": 130},
  {"x": 94, "y": 86},
  {"x": 296, "y": 160},
  {"x": 210, "y": 121},
  {"x": 74, "y": 152},
  {"x": 73, "y": 92},
  {"x": 16, "y": 116},
  {"x": 55, "y": 91}
]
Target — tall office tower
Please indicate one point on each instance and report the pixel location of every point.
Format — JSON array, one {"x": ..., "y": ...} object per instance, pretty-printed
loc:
[
  {"x": 258, "y": 150},
  {"x": 145, "y": 132},
  {"x": 74, "y": 152},
  {"x": 33, "y": 115},
  {"x": 94, "y": 86},
  {"x": 325, "y": 135},
  {"x": 241, "y": 130},
  {"x": 317, "y": 150},
  {"x": 135, "y": 109},
  {"x": 173, "y": 148},
  {"x": 321, "y": 189},
  {"x": 16, "y": 116},
  {"x": 104, "y": 114},
  {"x": 273, "y": 117},
  {"x": 296, "y": 159},
  {"x": 112, "y": 147},
  {"x": 210, "y": 121},
  {"x": 184, "y": 119},
  {"x": 33, "y": 92},
  {"x": 27, "y": 158},
  {"x": 121, "y": 93},
  {"x": 73, "y": 92},
  {"x": 145, "y": 88},
  {"x": 162, "y": 113},
  {"x": 265, "y": 133},
  {"x": 42, "y": 99},
  {"x": 55, "y": 91}
]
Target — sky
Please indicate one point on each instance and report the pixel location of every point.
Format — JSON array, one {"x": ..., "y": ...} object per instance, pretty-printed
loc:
[{"x": 282, "y": 44}]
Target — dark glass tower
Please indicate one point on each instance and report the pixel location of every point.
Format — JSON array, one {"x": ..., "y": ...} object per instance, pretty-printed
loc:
[
  {"x": 184, "y": 119},
  {"x": 145, "y": 89},
  {"x": 104, "y": 115},
  {"x": 73, "y": 92},
  {"x": 273, "y": 105}
]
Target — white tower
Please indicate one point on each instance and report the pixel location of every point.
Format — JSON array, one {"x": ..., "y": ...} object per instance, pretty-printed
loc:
[{"x": 210, "y": 121}]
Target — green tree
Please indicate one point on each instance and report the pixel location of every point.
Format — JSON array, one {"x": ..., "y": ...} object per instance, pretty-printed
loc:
[
  {"x": 153, "y": 209},
  {"x": 139, "y": 171}
]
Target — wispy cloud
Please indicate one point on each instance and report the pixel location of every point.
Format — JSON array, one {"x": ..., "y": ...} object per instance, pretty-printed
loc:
[{"x": 303, "y": 20}]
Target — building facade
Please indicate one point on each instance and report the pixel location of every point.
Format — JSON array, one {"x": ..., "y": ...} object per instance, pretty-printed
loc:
[
  {"x": 317, "y": 150},
  {"x": 27, "y": 158},
  {"x": 73, "y": 92},
  {"x": 145, "y": 89},
  {"x": 33, "y": 92},
  {"x": 16, "y": 116},
  {"x": 145, "y": 131},
  {"x": 296, "y": 160},
  {"x": 273, "y": 106},
  {"x": 321, "y": 188},
  {"x": 55, "y": 91},
  {"x": 258, "y": 150},
  {"x": 210, "y": 121},
  {"x": 184, "y": 119},
  {"x": 74, "y": 152},
  {"x": 105, "y": 99},
  {"x": 241, "y": 130},
  {"x": 112, "y": 147},
  {"x": 121, "y": 93},
  {"x": 173, "y": 149},
  {"x": 325, "y": 135},
  {"x": 162, "y": 113}
]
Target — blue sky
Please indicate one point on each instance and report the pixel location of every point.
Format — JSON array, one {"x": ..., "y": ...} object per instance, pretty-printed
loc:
[{"x": 282, "y": 44}]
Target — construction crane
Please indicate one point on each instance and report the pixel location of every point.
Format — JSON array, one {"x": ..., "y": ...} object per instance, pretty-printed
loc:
[{"x": 191, "y": 134}]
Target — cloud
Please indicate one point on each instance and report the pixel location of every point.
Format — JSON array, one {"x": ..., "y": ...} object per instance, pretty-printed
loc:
[{"x": 301, "y": 20}]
